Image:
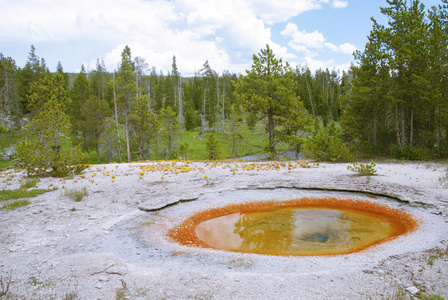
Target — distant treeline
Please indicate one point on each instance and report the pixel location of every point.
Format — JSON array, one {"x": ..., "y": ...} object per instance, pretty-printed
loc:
[{"x": 394, "y": 102}]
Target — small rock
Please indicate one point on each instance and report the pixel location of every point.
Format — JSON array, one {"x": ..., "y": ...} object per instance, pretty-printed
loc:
[
  {"x": 413, "y": 290},
  {"x": 99, "y": 285}
]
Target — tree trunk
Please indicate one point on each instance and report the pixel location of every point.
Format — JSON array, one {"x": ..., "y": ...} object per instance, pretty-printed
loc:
[
  {"x": 271, "y": 133},
  {"x": 97, "y": 148},
  {"x": 128, "y": 149},
  {"x": 374, "y": 129},
  {"x": 116, "y": 121},
  {"x": 397, "y": 126},
  {"x": 411, "y": 130},
  {"x": 403, "y": 126},
  {"x": 311, "y": 100}
]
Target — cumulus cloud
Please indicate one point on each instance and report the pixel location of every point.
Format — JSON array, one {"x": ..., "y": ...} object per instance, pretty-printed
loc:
[
  {"x": 226, "y": 33},
  {"x": 340, "y": 4},
  {"x": 280, "y": 11},
  {"x": 309, "y": 42}
]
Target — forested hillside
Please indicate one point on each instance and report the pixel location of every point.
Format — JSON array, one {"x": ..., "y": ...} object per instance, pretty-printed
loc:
[{"x": 393, "y": 102}]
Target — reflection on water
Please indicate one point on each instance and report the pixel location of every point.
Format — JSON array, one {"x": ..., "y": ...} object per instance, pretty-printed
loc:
[{"x": 294, "y": 231}]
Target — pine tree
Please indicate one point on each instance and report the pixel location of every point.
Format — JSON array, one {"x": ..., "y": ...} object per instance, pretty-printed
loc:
[
  {"x": 78, "y": 94},
  {"x": 126, "y": 88},
  {"x": 46, "y": 145},
  {"x": 31, "y": 73},
  {"x": 144, "y": 124},
  {"x": 94, "y": 113},
  {"x": 170, "y": 131},
  {"x": 9, "y": 98},
  {"x": 269, "y": 89},
  {"x": 212, "y": 147}
]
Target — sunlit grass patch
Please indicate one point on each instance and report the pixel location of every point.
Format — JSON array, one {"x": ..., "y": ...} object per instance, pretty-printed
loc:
[
  {"x": 77, "y": 194},
  {"x": 21, "y": 193},
  {"x": 29, "y": 183},
  {"x": 15, "y": 204}
]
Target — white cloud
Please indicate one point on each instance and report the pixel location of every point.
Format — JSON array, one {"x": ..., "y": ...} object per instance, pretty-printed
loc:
[
  {"x": 340, "y": 4},
  {"x": 347, "y": 48},
  {"x": 226, "y": 33},
  {"x": 280, "y": 11},
  {"x": 315, "y": 64},
  {"x": 303, "y": 41}
]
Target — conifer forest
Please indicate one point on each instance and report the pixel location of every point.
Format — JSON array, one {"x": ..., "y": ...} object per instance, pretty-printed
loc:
[{"x": 392, "y": 102}]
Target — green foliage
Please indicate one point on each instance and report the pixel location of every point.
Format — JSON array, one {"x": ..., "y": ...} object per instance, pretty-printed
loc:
[
  {"x": 29, "y": 183},
  {"x": 15, "y": 204},
  {"x": 78, "y": 94},
  {"x": 431, "y": 297},
  {"x": 191, "y": 118},
  {"x": 234, "y": 131},
  {"x": 184, "y": 148},
  {"x": 112, "y": 139},
  {"x": 144, "y": 123},
  {"x": 212, "y": 147},
  {"x": 398, "y": 96},
  {"x": 363, "y": 169},
  {"x": 46, "y": 146},
  {"x": 293, "y": 129},
  {"x": 20, "y": 194},
  {"x": 171, "y": 129},
  {"x": 126, "y": 88},
  {"x": 410, "y": 153},
  {"x": 251, "y": 121},
  {"x": 268, "y": 89},
  {"x": 77, "y": 194},
  {"x": 326, "y": 144},
  {"x": 94, "y": 112}
]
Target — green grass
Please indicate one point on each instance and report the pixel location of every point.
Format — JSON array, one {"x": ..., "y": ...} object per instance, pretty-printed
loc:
[
  {"x": 29, "y": 183},
  {"x": 197, "y": 145},
  {"x": 15, "y": 204},
  {"x": 76, "y": 194},
  {"x": 20, "y": 194},
  {"x": 6, "y": 141}
]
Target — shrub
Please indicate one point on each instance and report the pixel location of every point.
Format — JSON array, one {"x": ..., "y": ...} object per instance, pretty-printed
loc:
[
  {"x": 29, "y": 183},
  {"x": 77, "y": 194},
  {"x": 410, "y": 153},
  {"x": 326, "y": 144},
  {"x": 363, "y": 169}
]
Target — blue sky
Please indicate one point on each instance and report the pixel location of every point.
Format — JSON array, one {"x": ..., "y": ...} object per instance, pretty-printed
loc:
[{"x": 317, "y": 33}]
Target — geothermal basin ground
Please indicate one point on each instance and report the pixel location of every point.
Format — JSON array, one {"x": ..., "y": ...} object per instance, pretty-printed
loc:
[{"x": 113, "y": 244}]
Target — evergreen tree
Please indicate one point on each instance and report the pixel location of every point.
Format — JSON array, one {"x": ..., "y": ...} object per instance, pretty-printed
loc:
[
  {"x": 94, "y": 112},
  {"x": 144, "y": 124},
  {"x": 46, "y": 145},
  {"x": 170, "y": 131},
  {"x": 234, "y": 130},
  {"x": 212, "y": 147},
  {"x": 79, "y": 94},
  {"x": 32, "y": 72},
  {"x": 126, "y": 88},
  {"x": 60, "y": 70},
  {"x": 9, "y": 98},
  {"x": 269, "y": 89}
]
